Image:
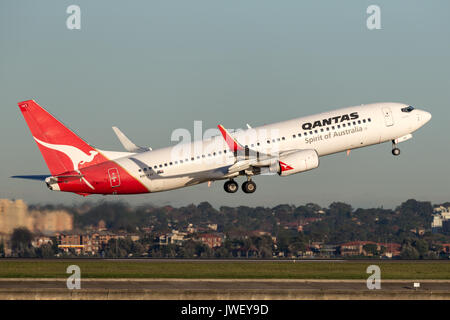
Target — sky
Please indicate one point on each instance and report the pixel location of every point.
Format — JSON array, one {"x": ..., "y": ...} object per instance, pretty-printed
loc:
[{"x": 150, "y": 67}]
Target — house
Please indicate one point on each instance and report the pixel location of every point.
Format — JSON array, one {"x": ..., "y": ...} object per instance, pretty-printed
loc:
[
  {"x": 38, "y": 241},
  {"x": 211, "y": 240},
  {"x": 356, "y": 248},
  {"x": 174, "y": 237}
]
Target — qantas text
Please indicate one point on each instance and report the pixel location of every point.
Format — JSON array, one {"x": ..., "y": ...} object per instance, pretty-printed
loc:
[{"x": 329, "y": 121}]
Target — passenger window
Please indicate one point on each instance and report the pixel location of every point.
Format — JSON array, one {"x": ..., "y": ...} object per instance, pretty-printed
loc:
[{"x": 364, "y": 120}]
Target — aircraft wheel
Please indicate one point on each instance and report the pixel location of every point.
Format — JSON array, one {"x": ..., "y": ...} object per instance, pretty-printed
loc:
[
  {"x": 396, "y": 151},
  {"x": 249, "y": 187},
  {"x": 231, "y": 186}
]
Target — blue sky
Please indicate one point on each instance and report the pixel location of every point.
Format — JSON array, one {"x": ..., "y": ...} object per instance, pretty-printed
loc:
[{"x": 150, "y": 67}]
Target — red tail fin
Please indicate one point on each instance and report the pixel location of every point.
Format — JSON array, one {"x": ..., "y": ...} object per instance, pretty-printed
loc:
[{"x": 62, "y": 149}]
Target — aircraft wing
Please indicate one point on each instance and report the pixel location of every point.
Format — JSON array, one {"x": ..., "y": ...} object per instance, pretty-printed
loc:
[{"x": 247, "y": 158}]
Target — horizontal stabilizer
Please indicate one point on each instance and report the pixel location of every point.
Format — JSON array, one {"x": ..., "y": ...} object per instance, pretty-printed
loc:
[
  {"x": 32, "y": 177},
  {"x": 127, "y": 144}
]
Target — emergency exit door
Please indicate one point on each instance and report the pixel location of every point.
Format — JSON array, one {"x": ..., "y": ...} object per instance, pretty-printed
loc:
[
  {"x": 114, "y": 177},
  {"x": 388, "y": 119}
]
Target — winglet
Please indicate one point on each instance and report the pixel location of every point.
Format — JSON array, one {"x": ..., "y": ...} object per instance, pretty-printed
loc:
[
  {"x": 232, "y": 143},
  {"x": 127, "y": 144}
]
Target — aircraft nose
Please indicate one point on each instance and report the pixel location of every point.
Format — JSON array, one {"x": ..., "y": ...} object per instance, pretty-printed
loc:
[{"x": 426, "y": 116}]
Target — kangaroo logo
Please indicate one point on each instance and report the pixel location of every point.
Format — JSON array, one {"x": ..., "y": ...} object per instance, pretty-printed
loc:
[
  {"x": 76, "y": 155},
  {"x": 285, "y": 167}
]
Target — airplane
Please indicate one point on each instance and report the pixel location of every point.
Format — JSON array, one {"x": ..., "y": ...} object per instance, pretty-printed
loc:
[{"x": 282, "y": 148}]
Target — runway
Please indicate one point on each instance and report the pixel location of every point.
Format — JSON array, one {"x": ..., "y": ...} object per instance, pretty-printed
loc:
[{"x": 214, "y": 289}]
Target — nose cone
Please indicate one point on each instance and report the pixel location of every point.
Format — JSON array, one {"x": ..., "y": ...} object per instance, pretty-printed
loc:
[{"x": 426, "y": 116}]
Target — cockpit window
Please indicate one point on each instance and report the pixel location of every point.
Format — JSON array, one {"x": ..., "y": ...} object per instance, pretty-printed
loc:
[{"x": 408, "y": 109}]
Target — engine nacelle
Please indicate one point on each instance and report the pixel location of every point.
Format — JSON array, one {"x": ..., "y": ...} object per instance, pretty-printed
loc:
[{"x": 296, "y": 162}]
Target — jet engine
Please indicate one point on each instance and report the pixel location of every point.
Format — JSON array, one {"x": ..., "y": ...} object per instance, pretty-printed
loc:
[{"x": 295, "y": 162}]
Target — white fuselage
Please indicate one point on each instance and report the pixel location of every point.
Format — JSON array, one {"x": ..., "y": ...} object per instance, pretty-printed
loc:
[{"x": 327, "y": 133}]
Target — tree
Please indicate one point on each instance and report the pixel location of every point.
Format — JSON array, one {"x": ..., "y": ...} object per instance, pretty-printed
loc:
[
  {"x": 409, "y": 252},
  {"x": 21, "y": 241},
  {"x": 45, "y": 251},
  {"x": 2, "y": 250},
  {"x": 371, "y": 249},
  {"x": 422, "y": 247}
]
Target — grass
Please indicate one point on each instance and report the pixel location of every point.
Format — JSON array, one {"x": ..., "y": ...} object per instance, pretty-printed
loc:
[{"x": 222, "y": 270}]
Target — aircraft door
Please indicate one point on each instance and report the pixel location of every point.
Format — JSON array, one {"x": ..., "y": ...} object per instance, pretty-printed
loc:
[
  {"x": 114, "y": 177},
  {"x": 388, "y": 119}
]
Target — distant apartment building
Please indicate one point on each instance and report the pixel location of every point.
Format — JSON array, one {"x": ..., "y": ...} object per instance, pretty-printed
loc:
[
  {"x": 15, "y": 214},
  {"x": 441, "y": 219}
]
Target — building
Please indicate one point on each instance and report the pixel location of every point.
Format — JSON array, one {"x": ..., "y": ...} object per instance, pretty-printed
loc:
[
  {"x": 38, "y": 241},
  {"x": 356, "y": 248},
  {"x": 174, "y": 237},
  {"x": 212, "y": 226},
  {"x": 16, "y": 214},
  {"x": 211, "y": 240},
  {"x": 441, "y": 216},
  {"x": 86, "y": 243}
]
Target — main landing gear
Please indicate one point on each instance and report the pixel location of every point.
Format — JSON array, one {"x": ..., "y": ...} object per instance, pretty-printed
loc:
[
  {"x": 248, "y": 186},
  {"x": 395, "y": 150},
  {"x": 231, "y": 186}
]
